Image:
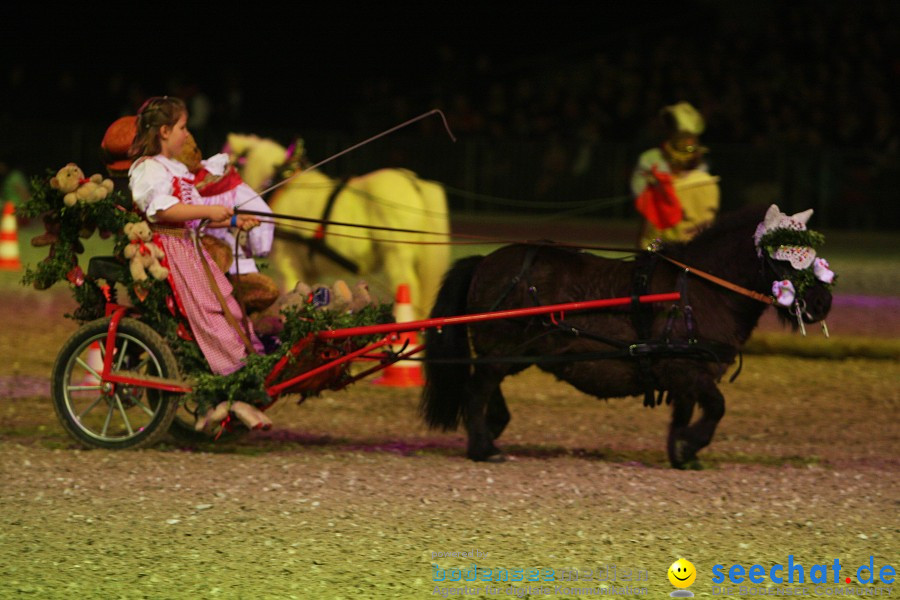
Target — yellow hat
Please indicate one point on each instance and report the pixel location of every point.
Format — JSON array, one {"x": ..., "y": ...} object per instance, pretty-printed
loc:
[{"x": 685, "y": 118}]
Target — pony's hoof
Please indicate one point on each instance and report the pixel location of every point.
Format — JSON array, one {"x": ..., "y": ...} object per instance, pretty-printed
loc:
[
  {"x": 493, "y": 457},
  {"x": 690, "y": 465}
]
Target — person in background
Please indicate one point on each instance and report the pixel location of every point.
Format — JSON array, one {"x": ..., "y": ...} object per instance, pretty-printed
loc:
[{"x": 671, "y": 184}]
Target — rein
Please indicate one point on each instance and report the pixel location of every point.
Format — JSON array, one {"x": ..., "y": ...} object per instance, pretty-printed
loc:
[
  {"x": 712, "y": 278},
  {"x": 719, "y": 281}
]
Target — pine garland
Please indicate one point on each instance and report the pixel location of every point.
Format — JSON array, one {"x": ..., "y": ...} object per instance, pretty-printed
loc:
[
  {"x": 773, "y": 240},
  {"x": 248, "y": 383},
  {"x": 71, "y": 224}
]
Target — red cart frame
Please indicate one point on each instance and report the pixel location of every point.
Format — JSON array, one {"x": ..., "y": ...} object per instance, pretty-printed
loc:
[{"x": 391, "y": 333}]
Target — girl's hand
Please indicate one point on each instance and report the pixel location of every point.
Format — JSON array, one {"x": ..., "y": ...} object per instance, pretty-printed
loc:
[
  {"x": 217, "y": 212},
  {"x": 247, "y": 222}
]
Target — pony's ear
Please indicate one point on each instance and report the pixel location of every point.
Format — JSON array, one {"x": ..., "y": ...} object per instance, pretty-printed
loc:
[
  {"x": 773, "y": 216},
  {"x": 803, "y": 217}
]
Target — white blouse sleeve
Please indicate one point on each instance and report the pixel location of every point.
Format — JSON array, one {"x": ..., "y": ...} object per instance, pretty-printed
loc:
[
  {"x": 151, "y": 188},
  {"x": 216, "y": 164}
]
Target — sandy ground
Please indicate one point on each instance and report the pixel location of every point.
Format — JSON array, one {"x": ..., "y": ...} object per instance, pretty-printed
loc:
[{"x": 350, "y": 496}]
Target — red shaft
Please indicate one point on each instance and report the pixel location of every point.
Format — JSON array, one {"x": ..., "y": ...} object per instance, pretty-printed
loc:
[{"x": 491, "y": 316}]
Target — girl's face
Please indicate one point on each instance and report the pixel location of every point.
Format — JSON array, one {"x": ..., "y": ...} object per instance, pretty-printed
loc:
[{"x": 171, "y": 138}]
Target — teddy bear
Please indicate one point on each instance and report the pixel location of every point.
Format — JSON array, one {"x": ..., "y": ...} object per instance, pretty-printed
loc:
[
  {"x": 255, "y": 290},
  {"x": 142, "y": 253},
  {"x": 206, "y": 182},
  {"x": 340, "y": 297},
  {"x": 70, "y": 180},
  {"x": 362, "y": 297},
  {"x": 335, "y": 298}
]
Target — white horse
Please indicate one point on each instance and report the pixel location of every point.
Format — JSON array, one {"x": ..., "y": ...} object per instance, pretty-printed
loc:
[{"x": 394, "y": 198}]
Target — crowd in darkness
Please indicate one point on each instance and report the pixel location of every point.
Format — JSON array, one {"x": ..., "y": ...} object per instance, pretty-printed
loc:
[
  {"x": 801, "y": 72},
  {"x": 805, "y": 73}
]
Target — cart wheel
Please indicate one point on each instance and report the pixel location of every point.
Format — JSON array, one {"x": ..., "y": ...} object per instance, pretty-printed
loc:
[{"x": 124, "y": 416}]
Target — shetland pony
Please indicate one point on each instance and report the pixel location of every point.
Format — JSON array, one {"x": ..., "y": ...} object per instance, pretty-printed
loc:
[{"x": 526, "y": 275}]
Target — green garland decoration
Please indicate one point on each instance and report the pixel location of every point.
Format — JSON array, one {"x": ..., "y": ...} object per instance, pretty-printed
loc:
[
  {"x": 249, "y": 383},
  {"x": 783, "y": 236},
  {"x": 71, "y": 224},
  {"x": 153, "y": 298},
  {"x": 802, "y": 279}
]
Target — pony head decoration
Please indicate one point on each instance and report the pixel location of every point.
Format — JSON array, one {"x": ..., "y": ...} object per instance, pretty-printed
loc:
[
  {"x": 782, "y": 237},
  {"x": 800, "y": 256}
]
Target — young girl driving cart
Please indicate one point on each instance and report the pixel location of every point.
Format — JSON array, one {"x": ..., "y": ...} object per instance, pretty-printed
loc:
[{"x": 163, "y": 191}]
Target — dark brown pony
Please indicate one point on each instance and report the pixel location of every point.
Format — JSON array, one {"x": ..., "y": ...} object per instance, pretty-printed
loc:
[{"x": 597, "y": 342}]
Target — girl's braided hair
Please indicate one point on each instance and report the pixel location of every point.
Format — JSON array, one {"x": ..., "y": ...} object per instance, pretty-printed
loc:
[{"x": 153, "y": 114}]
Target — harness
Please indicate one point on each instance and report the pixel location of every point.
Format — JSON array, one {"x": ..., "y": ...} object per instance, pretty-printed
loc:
[
  {"x": 644, "y": 351},
  {"x": 316, "y": 244}
]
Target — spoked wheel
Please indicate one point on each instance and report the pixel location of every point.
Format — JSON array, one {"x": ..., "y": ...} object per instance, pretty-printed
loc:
[{"x": 113, "y": 416}]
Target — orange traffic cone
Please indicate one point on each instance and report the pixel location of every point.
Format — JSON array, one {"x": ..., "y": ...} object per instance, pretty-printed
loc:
[
  {"x": 94, "y": 361},
  {"x": 9, "y": 239},
  {"x": 403, "y": 373}
]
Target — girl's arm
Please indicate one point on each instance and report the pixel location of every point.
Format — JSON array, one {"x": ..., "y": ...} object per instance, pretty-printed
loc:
[
  {"x": 219, "y": 215},
  {"x": 188, "y": 212}
]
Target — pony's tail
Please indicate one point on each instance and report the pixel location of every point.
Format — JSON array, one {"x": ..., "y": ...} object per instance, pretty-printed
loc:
[{"x": 446, "y": 385}]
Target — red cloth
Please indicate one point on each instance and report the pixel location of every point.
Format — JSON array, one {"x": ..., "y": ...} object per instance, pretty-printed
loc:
[
  {"x": 658, "y": 203},
  {"x": 209, "y": 185}
]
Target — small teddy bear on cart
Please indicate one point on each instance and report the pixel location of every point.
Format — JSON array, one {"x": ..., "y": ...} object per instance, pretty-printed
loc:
[
  {"x": 70, "y": 180},
  {"x": 143, "y": 255}
]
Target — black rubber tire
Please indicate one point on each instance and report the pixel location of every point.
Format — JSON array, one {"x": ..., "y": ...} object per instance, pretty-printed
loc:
[{"x": 131, "y": 417}]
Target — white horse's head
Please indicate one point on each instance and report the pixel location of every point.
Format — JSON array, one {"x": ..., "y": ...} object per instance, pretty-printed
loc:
[{"x": 260, "y": 158}]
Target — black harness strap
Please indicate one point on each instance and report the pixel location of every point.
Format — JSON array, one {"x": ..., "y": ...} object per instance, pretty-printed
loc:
[
  {"x": 316, "y": 244},
  {"x": 642, "y": 321},
  {"x": 318, "y": 240},
  {"x": 701, "y": 350},
  {"x": 321, "y": 248},
  {"x": 644, "y": 351},
  {"x": 530, "y": 256}
]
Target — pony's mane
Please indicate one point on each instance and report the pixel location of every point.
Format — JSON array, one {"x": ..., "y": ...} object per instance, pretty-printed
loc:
[{"x": 730, "y": 231}]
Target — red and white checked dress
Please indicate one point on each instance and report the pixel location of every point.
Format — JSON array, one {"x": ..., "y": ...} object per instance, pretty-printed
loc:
[{"x": 156, "y": 184}]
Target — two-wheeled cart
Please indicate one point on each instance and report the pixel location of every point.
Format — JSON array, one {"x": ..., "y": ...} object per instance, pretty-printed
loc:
[{"x": 116, "y": 382}]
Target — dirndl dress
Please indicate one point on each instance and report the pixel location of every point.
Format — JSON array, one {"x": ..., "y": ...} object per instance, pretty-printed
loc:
[{"x": 156, "y": 184}]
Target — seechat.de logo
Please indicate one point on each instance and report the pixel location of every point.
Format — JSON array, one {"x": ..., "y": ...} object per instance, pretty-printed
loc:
[{"x": 794, "y": 572}]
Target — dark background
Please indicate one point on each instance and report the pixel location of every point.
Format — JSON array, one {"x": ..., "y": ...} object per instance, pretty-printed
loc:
[{"x": 550, "y": 101}]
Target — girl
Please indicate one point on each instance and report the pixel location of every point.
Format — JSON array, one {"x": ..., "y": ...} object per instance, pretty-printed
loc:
[{"x": 162, "y": 188}]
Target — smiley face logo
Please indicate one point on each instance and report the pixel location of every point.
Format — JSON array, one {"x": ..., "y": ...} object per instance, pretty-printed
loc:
[{"x": 682, "y": 573}]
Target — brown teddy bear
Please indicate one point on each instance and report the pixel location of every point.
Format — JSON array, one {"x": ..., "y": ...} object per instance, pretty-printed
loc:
[
  {"x": 256, "y": 291},
  {"x": 70, "y": 180},
  {"x": 205, "y": 182},
  {"x": 142, "y": 253}
]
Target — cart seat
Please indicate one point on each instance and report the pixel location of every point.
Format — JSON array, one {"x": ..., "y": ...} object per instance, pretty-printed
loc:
[{"x": 107, "y": 267}]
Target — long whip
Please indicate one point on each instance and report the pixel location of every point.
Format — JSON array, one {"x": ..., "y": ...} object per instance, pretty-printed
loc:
[{"x": 354, "y": 147}]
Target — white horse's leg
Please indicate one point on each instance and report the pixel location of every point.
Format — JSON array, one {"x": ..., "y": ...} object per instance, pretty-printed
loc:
[
  {"x": 432, "y": 260},
  {"x": 284, "y": 259},
  {"x": 399, "y": 266}
]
